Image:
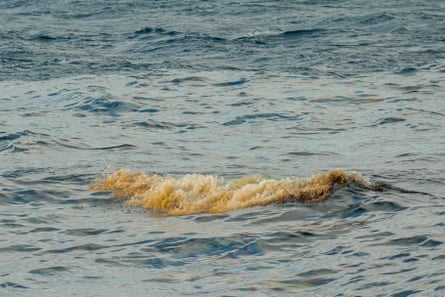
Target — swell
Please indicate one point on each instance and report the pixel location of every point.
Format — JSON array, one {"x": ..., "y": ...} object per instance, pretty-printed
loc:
[{"x": 196, "y": 193}]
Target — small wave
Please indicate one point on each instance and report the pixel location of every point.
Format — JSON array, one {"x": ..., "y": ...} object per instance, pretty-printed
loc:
[
  {"x": 45, "y": 38},
  {"x": 124, "y": 146},
  {"x": 4, "y": 136},
  {"x": 12, "y": 285},
  {"x": 196, "y": 193},
  {"x": 252, "y": 117},
  {"x": 388, "y": 120},
  {"x": 420, "y": 240},
  {"x": 150, "y": 30},
  {"x": 406, "y": 70},
  {"x": 13, "y": 142},
  {"x": 232, "y": 83},
  {"x": 6, "y": 140},
  {"x": 301, "y": 32},
  {"x": 50, "y": 270},
  {"x": 189, "y": 79},
  {"x": 264, "y": 37},
  {"x": 307, "y": 279},
  {"x": 105, "y": 104},
  {"x": 26, "y": 140}
]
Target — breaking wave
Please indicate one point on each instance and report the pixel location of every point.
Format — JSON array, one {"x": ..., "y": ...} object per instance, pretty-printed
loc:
[{"x": 196, "y": 193}]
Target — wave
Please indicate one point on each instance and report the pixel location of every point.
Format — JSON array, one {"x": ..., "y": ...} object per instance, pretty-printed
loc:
[{"x": 196, "y": 193}]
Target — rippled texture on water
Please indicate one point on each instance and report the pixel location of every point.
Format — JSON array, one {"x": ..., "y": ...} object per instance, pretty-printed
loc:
[{"x": 278, "y": 90}]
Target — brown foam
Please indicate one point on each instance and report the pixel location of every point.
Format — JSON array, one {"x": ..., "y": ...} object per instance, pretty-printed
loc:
[{"x": 196, "y": 193}]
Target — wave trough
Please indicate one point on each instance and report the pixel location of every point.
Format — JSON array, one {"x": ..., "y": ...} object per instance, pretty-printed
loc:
[{"x": 196, "y": 193}]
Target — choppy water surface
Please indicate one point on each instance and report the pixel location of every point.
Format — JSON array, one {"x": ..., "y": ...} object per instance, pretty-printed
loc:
[{"x": 228, "y": 91}]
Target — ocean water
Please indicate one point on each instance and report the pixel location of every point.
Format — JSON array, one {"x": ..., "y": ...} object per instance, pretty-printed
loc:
[{"x": 200, "y": 96}]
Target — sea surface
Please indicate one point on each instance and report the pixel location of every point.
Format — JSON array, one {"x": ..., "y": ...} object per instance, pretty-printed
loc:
[{"x": 227, "y": 91}]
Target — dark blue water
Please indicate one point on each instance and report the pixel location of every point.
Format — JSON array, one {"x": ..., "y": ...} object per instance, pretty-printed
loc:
[
  {"x": 43, "y": 39},
  {"x": 229, "y": 89}
]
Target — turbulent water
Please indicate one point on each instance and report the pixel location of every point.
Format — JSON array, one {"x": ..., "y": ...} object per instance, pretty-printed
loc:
[
  {"x": 216, "y": 123},
  {"x": 196, "y": 193}
]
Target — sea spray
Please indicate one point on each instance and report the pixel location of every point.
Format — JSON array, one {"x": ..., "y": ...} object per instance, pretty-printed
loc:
[{"x": 196, "y": 193}]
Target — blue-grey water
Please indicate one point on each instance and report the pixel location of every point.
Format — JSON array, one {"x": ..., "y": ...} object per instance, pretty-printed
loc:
[{"x": 224, "y": 88}]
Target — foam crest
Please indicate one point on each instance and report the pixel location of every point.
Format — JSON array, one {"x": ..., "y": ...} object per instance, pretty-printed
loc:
[{"x": 196, "y": 193}]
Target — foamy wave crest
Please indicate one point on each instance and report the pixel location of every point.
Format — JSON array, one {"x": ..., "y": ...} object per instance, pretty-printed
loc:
[{"x": 196, "y": 193}]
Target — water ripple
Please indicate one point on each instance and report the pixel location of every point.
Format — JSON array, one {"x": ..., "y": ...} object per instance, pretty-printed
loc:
[
  {"x": 273, "y": 88},
  {"x": 12, "y": 285},
  {"x": 50, "y": 270},
  {"x": 420, "y": 240}
]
